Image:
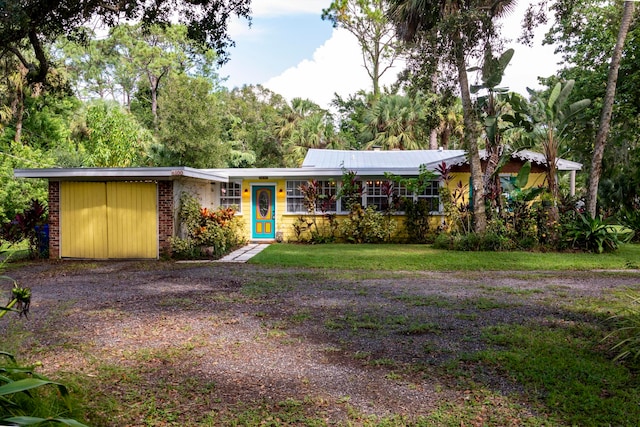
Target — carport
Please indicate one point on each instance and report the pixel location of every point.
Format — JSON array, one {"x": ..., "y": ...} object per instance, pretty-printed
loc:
[{"x": 114, "y": 213}]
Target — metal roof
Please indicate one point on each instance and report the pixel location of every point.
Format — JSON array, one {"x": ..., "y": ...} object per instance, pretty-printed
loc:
[
  {"x": 534, "y": 157},
  {"x": 357, "y": 160},
  {"x": 317, "y": 163}
]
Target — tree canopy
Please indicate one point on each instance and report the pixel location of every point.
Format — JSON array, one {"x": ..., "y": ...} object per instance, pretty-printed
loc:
[{"x": 26, "y": 26}]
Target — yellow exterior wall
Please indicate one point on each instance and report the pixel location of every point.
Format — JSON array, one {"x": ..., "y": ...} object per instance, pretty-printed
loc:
[
  {"x": 285, "y": 221},
  {"x": 100, "y": 220},
  {"x": 536, "y": 180},
  {"x": 83, "y": 225},
  {"x": 132, "y": 219}
]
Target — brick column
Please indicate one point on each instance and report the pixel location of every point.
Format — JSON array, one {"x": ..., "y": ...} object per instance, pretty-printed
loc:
[
  {"x": 165, "y": 216},
  {"x": 54, "y": 219}
]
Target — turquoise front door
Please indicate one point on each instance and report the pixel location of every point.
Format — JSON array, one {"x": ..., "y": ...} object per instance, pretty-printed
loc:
[{"x": 263, "y": 221}]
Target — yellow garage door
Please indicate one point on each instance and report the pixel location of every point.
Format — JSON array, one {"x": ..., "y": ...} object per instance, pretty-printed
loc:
[{"x": 108, "y": 220}]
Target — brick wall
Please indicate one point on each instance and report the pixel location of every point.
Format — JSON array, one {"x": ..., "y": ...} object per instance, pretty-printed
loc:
[
  {"x": 54, "y": 219},
  {"x": 165, "y": 216}
]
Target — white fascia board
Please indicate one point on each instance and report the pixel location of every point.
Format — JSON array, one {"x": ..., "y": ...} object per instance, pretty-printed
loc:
[
  {"x": 311, "y": 173},
  {"x": 568, "y": 165},
  {"x": 95, "y": 174}
]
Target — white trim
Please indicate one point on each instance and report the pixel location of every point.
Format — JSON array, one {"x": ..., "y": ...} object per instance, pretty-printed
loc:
[
  {"x": 275, "y": 209},
  {"x": 167, "y": 173}
]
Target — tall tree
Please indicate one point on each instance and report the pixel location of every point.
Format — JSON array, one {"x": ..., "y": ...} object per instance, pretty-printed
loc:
[
  {"x": 153, "y": 54},
  {"x": 551, "y": 117},
  {"x": 26, "y": 25},
  {"x": 250, "y": 117},
  {"x": 607, "y": 109},
  {"x": 398, "y": 122},
  {"x": 113, "y": 137},
  {"x": 368, "y": 22},
  {"x": 586, "y": 33},
  {"x": 187, "y": 135},
  {"x": 304, "y": 125},
  {"x": 351, "y": 113},
  {"x": 458, "y": 26}
]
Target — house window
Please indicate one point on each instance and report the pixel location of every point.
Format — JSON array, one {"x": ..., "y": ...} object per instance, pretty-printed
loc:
[
  {"x": 326, "y": 200},
  {"x": 295, "y": 199},
  {"x": 231, "y": 195},
  {"x": 431, "y": 195},
  {"x": 379, "y": 194}
]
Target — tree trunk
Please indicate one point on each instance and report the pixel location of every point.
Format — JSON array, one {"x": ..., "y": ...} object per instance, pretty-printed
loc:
[
  {"x": 471, "y": 140},
  {"x": 153, "y": 83},
  {"x": 607, "y": 110},
  {"x": 551, "y": 150},
  {"x": 17, "y": 106},
  {"x": 433, "y": 139}
]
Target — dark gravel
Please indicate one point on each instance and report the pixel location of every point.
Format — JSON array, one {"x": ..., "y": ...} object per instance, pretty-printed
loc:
[{"x": 373, "y": 341}]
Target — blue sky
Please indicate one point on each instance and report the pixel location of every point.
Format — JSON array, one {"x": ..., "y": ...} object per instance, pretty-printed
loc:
[{"x": 292, "y": 51}]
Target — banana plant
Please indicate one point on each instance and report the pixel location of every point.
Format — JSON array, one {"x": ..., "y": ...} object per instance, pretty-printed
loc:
[
  {"x": 551, "y": 117},
  {"x": 501, "y": 111}
]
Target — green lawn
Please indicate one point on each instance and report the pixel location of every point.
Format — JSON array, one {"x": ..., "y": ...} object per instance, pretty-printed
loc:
[{"x": 424, "y": 257}]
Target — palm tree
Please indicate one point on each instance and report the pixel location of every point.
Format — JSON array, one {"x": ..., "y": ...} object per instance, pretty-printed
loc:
[
  {"x": 458, "y": 25},
  {"x": 451, "y": 125},
  {"x": 396, "y": 123},
  {"x": 305, "y": 125}
]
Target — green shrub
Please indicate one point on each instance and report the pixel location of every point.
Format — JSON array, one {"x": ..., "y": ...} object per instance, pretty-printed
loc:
[
  {"x": 591, "y": 235},
  {"x": 418, "y": 221},
  {"x": 467, "y": 242},
  {"x": 493, "y": 241},
  {"x": 443, "y": 241},
  {"x": 627, "y": 331},
  {"x": 209, "y": 234},
  {"x": 366, "y": 226},
  {"x": 630, "y": 218},
  {"x": 527, "y": 243}
]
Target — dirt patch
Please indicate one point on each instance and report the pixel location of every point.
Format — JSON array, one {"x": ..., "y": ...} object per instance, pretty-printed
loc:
[{"x": 204, "y": 339}]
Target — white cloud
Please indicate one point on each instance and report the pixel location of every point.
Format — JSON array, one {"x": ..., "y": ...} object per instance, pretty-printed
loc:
[{"x": 336, "y": 67}]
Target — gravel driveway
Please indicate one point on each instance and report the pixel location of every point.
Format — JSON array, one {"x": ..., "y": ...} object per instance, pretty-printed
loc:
[{"x": 238, "y": 335}]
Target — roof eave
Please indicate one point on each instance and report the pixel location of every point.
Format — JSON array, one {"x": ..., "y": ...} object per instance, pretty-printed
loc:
[{"x": 160, "y": 173}]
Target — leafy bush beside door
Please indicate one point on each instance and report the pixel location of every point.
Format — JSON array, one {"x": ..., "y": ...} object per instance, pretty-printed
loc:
[{"x": 206, "y": 233}]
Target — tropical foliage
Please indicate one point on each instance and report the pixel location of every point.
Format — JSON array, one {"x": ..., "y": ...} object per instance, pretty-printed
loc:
[
  {"x": 149, "y": 95},
  {"x": 205, "y": 233}
]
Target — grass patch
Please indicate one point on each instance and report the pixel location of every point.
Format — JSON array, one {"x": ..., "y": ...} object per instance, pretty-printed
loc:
[
  {"x": 422, "y": 328},
  {"x": 424, "y": 257},
  {"x": 509, "y": 290},
  {"x": 486, "y": 303},
  {"x": 564, "y": 371},
  {"x": 482, "y": 407},
  {"x": 265, "y": 288}
]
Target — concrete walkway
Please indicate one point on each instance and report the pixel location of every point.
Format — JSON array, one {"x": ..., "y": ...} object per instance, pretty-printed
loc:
[{"x": 244, "y": 253}]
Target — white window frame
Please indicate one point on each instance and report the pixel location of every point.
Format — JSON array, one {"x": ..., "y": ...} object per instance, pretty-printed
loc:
[
  {"x": 432, "y": 192},
  {"x": 234, "y": 199},
  {"x": 295, "y": 198}
]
